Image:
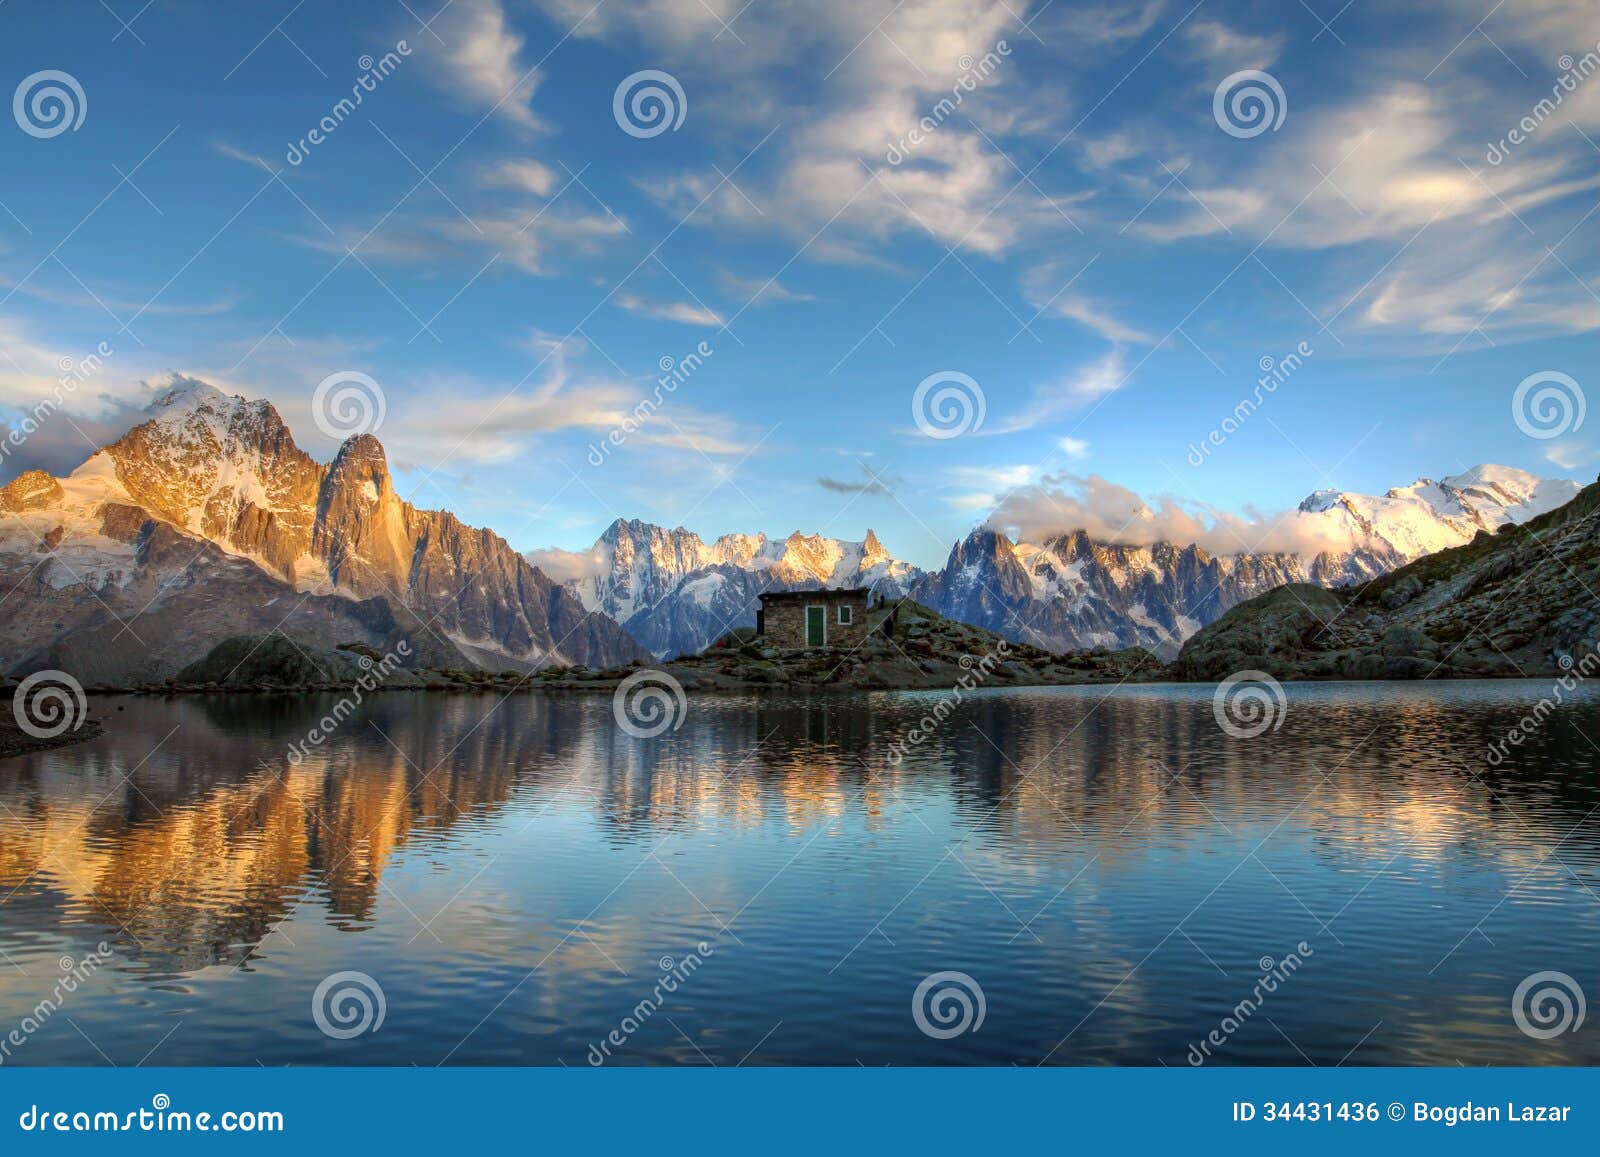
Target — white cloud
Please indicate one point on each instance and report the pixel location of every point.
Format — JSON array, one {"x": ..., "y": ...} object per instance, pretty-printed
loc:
[
  {"x": 1228, "y": 48},
  {"x": 679, "y": 311},
  {"x": 478, "y": 61},
  {"x": 1570, "y": 455},
  {"x": 527, "y": 175},
  {"x": 759, "y": 292},
  {"x": 887, "y": 68},
  {"x": 1112, "y": 513},
  {"x": 982, "y": 487},
  {"x": 565, "y": 566},
  {"x": 1078, "y": 308},
  {"x": 1082, "y": 387},
  {"x": 522, "y": 238}
]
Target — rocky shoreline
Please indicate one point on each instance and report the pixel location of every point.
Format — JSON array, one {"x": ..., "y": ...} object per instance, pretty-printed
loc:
[{"x": 15, "y": 741}]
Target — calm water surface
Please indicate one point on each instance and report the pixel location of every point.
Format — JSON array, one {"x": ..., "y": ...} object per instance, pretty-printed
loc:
[{"x": 1110, "y": 868}]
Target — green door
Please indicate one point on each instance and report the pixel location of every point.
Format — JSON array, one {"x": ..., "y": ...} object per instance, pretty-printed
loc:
[{"x": 816, "y": 625}]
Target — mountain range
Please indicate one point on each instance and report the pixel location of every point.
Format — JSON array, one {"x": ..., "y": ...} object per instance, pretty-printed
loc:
[
  {"x": 207, "y": 521},
  {"x": 676, "y": 594},
  {"x": 1516, "y": 602},
  {"x": 1070, "y": 592}
]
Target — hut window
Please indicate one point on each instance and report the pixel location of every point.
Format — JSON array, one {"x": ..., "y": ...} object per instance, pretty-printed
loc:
[{"x": 845, "y": 615}]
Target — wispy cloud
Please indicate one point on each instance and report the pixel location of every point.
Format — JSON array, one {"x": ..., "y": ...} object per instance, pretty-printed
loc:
[
  {"x": 1082, "y": 387},
  {"x": 479, "y": 60},
  {"x": 759, "y": 292},
  {"x": 679, "y": 311},
  {"x": 1228, "y": 48},
  {"x": 525, "y": 174},
  {"x": 870, "y": 483}
]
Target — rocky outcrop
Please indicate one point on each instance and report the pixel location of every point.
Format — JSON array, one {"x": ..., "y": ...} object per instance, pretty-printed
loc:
[
  {"x": 30, "y": 490},
  {"x": 922, "y": 649},
  {"x": 1516, "y": 602},
  {"x": 272, "y": 661}
]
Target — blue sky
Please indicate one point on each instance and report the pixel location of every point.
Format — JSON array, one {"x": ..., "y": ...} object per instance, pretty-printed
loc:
[{"x": 1080, "y": 235}]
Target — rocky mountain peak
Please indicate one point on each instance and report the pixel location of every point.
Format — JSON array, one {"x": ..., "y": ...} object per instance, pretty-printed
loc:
[
  {"x": 30, "y": 490},
  {"x": 361, "y": 467}
]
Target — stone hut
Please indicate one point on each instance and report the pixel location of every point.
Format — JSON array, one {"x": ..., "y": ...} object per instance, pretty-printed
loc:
[{"x": 794, "y": 620}]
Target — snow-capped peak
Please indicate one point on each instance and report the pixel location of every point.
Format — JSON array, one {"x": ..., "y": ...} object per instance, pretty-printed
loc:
[
  {"x": 677, "y": 593},
  {"x": 182, "y": 394}
]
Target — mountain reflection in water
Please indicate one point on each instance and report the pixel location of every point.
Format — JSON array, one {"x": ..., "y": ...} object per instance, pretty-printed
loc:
[{"x": 1109, "y": 866}]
